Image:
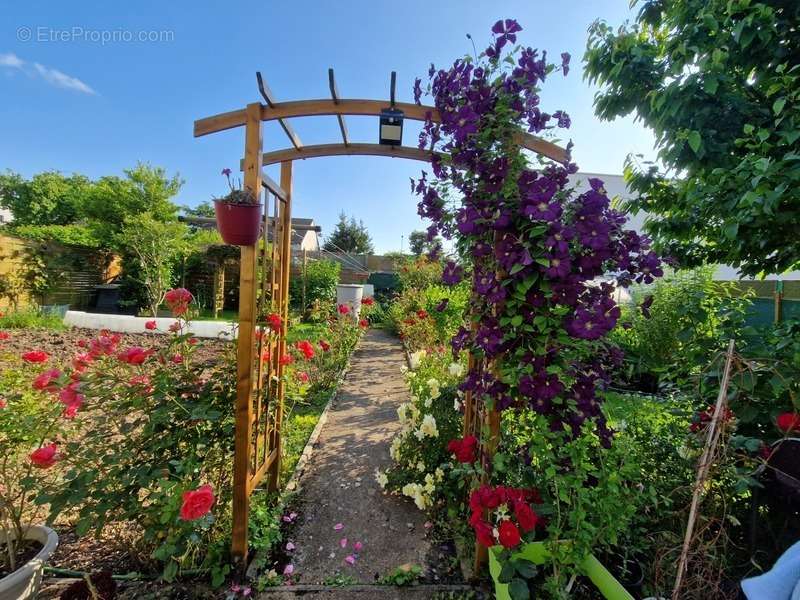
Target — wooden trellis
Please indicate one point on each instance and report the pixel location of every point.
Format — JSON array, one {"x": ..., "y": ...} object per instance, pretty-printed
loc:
[{"x": 264, "y": 278}]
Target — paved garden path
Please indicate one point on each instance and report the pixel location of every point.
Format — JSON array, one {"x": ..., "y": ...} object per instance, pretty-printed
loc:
[{"x": 339, "y": 484}]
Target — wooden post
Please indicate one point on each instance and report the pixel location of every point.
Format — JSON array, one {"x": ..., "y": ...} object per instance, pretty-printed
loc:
[
  {"x": 778, "y": 302},
  {"x": 305, "y": 267},
  {"x": 283, "y": 291},
  {"x": 244, "y": 352},
  {"x": 219, "y": 287}
]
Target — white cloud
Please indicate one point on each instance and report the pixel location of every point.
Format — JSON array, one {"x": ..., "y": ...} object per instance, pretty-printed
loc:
[
  {"x": 59, "y": 79},
  {"x": 50, "y": 75},
  {"x": 11, "y": 60}
]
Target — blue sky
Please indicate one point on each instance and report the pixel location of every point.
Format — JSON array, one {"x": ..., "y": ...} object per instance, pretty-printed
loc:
[{"x": 72, "y": 102}]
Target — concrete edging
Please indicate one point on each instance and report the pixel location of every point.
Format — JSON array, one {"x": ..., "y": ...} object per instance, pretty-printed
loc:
[{"x": 129, "y": 324}]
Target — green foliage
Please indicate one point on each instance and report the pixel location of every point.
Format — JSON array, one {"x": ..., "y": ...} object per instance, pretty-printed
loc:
[
  {"x": 30, "y": 319},
  {"x": 440, "y": 321},
  {"x": 403, "y": 575},
  {"x": 171, "y": 434},
  {"x": 421, "y": 461},
  {"x": 154, "y": 245},
  {"x": 419, "y": 272},
  {"x": 692, "y": 316},
  {"x": 339, "y": 580},
  {"x": 73, "y": 234},
  {"x": 321, "y": 277},
  {"x": 349, "y": 236},
  {"x": 679, "y": 67},
  {"x": 203, "y": 209},
  {"x": 418, "y": 243},
  {"x": 48, "y": 198},
  {"x": 28, "y": 419}
]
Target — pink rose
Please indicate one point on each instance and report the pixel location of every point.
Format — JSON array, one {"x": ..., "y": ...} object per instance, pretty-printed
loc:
[{"x": 197, "y": 503}]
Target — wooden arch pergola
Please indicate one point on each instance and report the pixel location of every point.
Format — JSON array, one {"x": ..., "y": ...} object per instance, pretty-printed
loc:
[{"x": 260, "y": 389}]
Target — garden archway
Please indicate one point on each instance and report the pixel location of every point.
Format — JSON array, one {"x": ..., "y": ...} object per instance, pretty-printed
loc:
[{"x": 260, "y": 391}]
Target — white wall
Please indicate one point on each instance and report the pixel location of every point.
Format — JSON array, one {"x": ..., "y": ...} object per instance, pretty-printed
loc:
[
  {"x": 615, "y": 186},
  {"x": 5, "y": 216}
]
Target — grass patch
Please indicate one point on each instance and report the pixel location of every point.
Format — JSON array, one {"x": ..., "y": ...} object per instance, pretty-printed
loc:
[
  {"x": 31, "y": 319},
  {"x": 298, "y": 428}
]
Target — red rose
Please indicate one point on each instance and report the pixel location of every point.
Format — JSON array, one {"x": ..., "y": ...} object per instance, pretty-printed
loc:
[
  {"x": 286, "y": 359},
  {"x": 422, "y": 314},
  {"x": 4, "y": 335},
  {"x": 274, "y": 320},
  {"x": 788, "y": 422},
  {"x": 465, "y": 450},
  {"x": 265, "y": 356},
  {"x": 177, "y": 359},
  {"x": 324, "y": 345},
  {"x": 526, "y": 518},
  {"x": 484, "y": 534},
  {"x": 46, "y": 381},
  {"x": 303, "y": 376},
  {"x": 35, "y": 356},
  {"x": 134, "y": 355},
  {"x": 306, "y": 348},
  {"x": 151, "y": 325},
  {"x": 509, "y": 534},
  {"x": 368, "y": 301},
  {"x": 363, "y": 323},
  {"x": 178, "y": 300},
  {"x": 192, "y": 341},
  {"x": 44, "y": 457},
  {"x": 344, "y": 309},
  {"x": 197, "y": 503},
  {"x": 3, "y": 403},
  {"x": 81, "y": 361}
]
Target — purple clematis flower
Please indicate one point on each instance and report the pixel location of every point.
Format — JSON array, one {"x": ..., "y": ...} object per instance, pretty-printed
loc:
[
  {"x": 452, "y": 273},
  {"x": 565, "y": 58}
]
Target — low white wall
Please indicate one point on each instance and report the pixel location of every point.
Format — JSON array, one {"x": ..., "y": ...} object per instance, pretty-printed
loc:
[{"x": 130, "y": 324}]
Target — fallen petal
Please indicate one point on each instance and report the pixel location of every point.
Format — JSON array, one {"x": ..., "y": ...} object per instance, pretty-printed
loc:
[
  {"x": 350, "y": 559},
  {"x": 343, "y": 542},
  {"x": 288, "y": 569},
  {"x": 338, "y": 527},
  {"x": 358, "y": 546},
  {"x": 290, "y": 546}
]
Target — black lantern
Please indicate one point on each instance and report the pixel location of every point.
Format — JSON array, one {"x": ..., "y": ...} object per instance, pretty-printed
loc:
[
  {"x": 391, "y": 132},
  {"x": 391, "y": 120}
]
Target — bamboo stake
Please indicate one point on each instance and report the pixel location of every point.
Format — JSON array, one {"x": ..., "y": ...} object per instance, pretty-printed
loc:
[{"x": 712, "y": 437}]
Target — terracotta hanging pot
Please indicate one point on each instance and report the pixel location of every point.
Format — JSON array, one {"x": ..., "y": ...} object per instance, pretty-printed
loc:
[{"x": 238, "y": 224}]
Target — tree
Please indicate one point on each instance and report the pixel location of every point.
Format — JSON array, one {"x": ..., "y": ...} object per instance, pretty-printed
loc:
[
  {"x": 349, "y": 236},
  {"x": 155, "y": 245},
  {"x": 418, "y": 243},
  {"x": 145, "y": 189},
  {"x": 718, "y": 82},
  {"x": 48, "y": 198},
  {"x": 204, "y": 209}
]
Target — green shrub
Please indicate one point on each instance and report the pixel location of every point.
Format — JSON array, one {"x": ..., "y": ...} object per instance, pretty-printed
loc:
[
  {"x": 30, "y": 319},
  {"x": 691, "y": 317},
  {"x": 321, "y": 277}
]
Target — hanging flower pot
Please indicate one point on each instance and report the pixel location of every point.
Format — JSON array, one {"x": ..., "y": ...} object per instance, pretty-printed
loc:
[{"x": 238, "y": 216}]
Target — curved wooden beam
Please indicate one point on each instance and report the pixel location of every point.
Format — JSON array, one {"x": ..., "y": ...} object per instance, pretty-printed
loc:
[
  {"x": 326, "y": 106},
  {"x": 271, "y": 158}
]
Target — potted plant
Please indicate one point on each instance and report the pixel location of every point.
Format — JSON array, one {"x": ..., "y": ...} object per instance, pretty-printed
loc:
[
  {"x": 31, "y": 426},
  {"x": 238, "y": 215}
]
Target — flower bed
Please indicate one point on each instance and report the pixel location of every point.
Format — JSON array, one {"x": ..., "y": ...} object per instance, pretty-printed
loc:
[{"x": 135, "y": 433}]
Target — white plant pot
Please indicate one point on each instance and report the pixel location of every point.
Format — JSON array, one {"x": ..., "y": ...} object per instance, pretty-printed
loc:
[
  {"x": 350, "y": 294},
  {"x": 24, "y": 583}
]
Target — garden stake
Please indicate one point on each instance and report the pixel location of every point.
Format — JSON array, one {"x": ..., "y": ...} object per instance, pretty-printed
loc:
[{"x": 712, "y": 437}]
